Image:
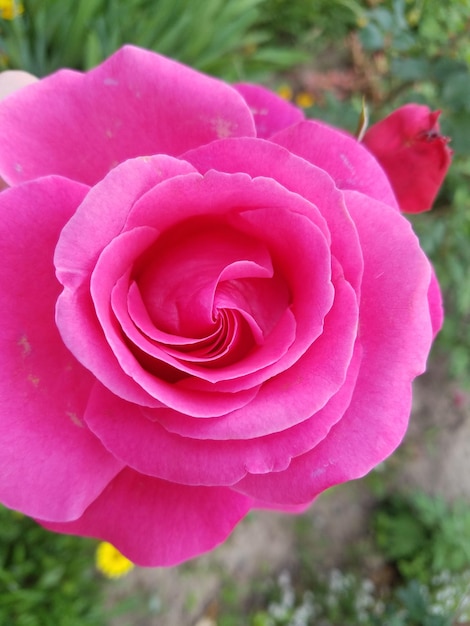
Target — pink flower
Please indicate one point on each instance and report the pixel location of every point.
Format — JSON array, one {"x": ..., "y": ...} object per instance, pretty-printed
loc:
[
  {"x": 413, "y": 153},
  {"x": 195, "y": 321}
]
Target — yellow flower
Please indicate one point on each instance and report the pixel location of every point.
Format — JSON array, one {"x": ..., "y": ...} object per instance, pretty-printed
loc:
[
  {"x": 362, "y": 21},
  {"x": 413, "y": 17},
  {"x": 9, "y": 9},
  {"x": 110, "y": 562},
  {"x": 285, "y": 92},
  {"x": 304, "y": 100}
]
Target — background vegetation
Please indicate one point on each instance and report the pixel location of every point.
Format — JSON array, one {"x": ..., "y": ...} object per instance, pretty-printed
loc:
[{"x": 335, "y": 52}]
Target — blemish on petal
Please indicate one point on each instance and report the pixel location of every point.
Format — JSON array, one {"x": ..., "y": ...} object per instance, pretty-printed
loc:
[
  {"x": 24, "y": 344},
  {"x": 222, "y": 127},
  {"x": 34, "y": 380},
  {"x": 18, "y": 168},
  {"x": 318, "y": 472},
  {"x": 347, "y": 163},
  {"x": 75, "y": 419},
  {"x": 109, "y": 133},
  {"x": 256, "y": 111},
  {"x": 111, "y": 82}
]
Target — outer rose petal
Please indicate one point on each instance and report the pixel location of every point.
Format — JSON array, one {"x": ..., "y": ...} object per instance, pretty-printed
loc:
[
  {"x": 396, "y": 335},
  {"x": 414, "y": 155},
  {"x": 157, "y": 523},
  {"x": 339, "y": 154},
  {"x": 435, "y": 304},
  {"x": 271, "y": 113},
  {"x": 51, "y": 465},
  {"x": 135, "y": 103}
]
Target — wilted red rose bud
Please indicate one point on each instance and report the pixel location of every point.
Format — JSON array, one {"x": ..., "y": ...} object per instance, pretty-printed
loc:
[{"x": 413, "y": 153}]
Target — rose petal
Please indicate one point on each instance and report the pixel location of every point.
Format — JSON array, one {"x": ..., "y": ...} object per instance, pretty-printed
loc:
[
  {"x": 98, "y": 220},
  {"x": 182, "y": 273},
  {"x": 282, "y": 230},
  {"x": 196, "y": 359},
  {"x": 174, "y": 198},
  {"x": 51, "y": 465},
  {"x": 286, "y": 399},
  {"x": 345, "y": 159},
  {"x": 260, "y": 158},
  {"x": 435, "y": 304},
  {"x": 270, "y": 112},
  {"x": 150, "y": 449},
  {"x": 413, "y": 153},
  {"x": 135, "y": 103},
  {"x": 396, "y": 335},
  {"x": 156, "y": 523}
]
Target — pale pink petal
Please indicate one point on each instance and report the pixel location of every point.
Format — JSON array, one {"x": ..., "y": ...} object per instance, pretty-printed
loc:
[
  {"x": 135, "y": 103},
  {"x": 270, "y": 112},
  {"x": 157, "y": 523},
  {"x": 347, "y": 161},
  {"x": 51, "y": 465},
  {"x": 13, "y": 80},
  {"x": 396, "y": 334}
]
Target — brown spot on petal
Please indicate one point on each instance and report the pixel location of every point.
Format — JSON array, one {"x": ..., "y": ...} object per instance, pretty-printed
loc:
[
  {"x": 34, "y": 380},
  {"x": 24, "y": 344}
]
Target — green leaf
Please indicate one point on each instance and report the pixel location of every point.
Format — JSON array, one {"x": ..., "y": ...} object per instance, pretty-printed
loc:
[
  {"x": 456, "y": 91},
  {"x": 372, "y": 37},
  {"x": 411, "y": 69}
]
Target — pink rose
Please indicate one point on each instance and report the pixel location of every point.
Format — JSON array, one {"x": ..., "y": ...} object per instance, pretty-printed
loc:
[
  {"x": 195, "y": 321},
  {"x": 413, "y": 153}
]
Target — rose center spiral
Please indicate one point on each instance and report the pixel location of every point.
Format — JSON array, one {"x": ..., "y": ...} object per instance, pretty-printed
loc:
[{"x": 211, "y": 291}]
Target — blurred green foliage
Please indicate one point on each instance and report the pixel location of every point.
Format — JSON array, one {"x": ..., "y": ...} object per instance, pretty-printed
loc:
[
  {"x": 302, "y": 21},
  {"x": 426, "y": 45},
  {"x": 46, "y": 578},
  {"x": 217, "y": 37},
  {"x": 420, "y": 52},
  {"x": 422, "y": 536}
]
